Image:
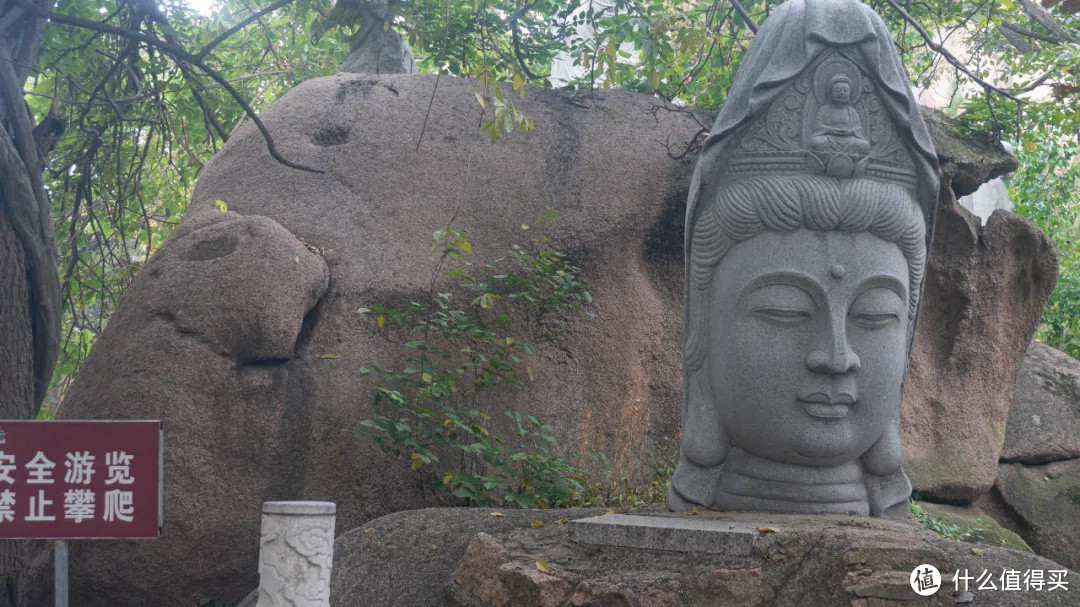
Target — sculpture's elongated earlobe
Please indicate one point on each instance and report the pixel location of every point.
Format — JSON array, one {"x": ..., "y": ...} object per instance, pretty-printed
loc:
[
  {"x": 704, "y": 442},
  {"x": 886, "y": 454},
  {"x": 888, "y": 495},
  {"x": 704, "y": 447},
  {"x": 887, "y": 486}
]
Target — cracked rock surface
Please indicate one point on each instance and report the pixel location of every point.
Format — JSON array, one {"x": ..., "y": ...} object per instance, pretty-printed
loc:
[
  {"x": 442, "y": 557},
  {"x": 1037, "y": 490},
  {"x": 822, "y": 561}
]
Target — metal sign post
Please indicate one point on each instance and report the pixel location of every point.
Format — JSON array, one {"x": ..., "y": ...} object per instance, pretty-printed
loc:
[{"x": 60, "y": 567}]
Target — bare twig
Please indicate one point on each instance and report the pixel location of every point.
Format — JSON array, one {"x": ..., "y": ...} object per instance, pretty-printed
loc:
[
  {"x": 428, "y": 114},
  {"x": 695, "y": 141}
]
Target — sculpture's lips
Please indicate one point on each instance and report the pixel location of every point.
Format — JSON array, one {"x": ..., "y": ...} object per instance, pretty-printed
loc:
[{"x": 819, "y": 404}]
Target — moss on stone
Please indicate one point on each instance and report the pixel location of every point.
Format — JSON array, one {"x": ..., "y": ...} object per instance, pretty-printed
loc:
[{"x": 969, "y": 524}]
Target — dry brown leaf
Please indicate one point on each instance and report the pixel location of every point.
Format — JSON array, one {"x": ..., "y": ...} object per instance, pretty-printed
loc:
[
  {"x": 537, "y": 524},
  {"x": 768, "y": 530}
]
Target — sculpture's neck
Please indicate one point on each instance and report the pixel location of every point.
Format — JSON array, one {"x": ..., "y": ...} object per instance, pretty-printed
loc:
[{"x": 749, "y": 482}]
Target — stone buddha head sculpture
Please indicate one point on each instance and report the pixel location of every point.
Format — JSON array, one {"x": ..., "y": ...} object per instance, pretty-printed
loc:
[{"x": 808, "y": 224}]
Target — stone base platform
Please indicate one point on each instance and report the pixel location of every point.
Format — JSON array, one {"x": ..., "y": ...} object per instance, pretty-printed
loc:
[
  {"x": 654, "y": 558},
  {"x": 668, "y": 532}
]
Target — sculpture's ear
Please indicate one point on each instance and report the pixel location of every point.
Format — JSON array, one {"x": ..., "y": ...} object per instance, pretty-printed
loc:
[
  {"x": 885, "y": 456},
  {"x": 705, "y": 445},
  {"x": 704, "y": 441},
  {"x": 888, "y": 495},
  {"x": 887, "y": 486}
]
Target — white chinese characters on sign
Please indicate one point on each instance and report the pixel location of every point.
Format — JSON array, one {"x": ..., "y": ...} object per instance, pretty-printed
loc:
[
  {"x": 37, "y": 508},
  {"x": 80, "y": 468},
  {"x": 79, "y": 505},
  {"x": 7, "y": 466},
  {"x": 118, "y": 506},
  {"x": 7, "y": 506},
  {"x": 39, "y": 470},
  {"x": 119, "y": 464},
  {"x": 80, "y": 501}
]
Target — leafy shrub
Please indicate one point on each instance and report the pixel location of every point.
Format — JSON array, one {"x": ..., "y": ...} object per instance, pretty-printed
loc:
[
  {"x": 429, "y": 407},
  {"x": 1046, "y": 189}
]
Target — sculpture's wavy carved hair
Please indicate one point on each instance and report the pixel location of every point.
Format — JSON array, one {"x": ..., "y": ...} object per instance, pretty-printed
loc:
[{"x": 743, "y": 209}]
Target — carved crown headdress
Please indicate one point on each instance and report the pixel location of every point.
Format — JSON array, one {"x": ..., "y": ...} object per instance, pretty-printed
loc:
[
  {"x": 788, "y": 113},
  {"x": 818, "y": 127}
]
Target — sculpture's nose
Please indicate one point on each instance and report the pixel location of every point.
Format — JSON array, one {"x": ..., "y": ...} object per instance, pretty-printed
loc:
[
  {"x": 838, "y": 359},
  {"x": 842, "y": 360}
]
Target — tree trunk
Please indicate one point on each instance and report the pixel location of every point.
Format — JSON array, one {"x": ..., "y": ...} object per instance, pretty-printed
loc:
[
  {"x": 16, "y": 376},
  {"x": 29, "y": 287}
]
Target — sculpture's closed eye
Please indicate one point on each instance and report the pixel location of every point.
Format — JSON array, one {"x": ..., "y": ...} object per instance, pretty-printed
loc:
[
  {"x": 782, "y": 316},
  {"x": 877, "y": 308},
  {"x": 781, "y": 304},
  {"x": 875, "y": 321}
]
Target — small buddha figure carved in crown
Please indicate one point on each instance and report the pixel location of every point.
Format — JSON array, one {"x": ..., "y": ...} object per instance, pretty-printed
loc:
[
  {"x": 837, "y": 126},
  {"x": 806, "y": 244}
]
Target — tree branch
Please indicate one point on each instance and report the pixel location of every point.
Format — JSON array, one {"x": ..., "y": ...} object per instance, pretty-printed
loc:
[
  {"x": 1041, "y": 17},
  {"x": 239, "y": 26},
  {"x": 182, "y": 58},
  {"x": 517, "y": 41},
  {"x": 1029, "y": 34},
  {"x": 937, "y": 48},
  {"x": 746, "y": 17}
]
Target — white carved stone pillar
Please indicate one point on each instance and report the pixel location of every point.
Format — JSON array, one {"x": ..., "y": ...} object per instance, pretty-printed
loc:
[{"x": 296, "y": 553}]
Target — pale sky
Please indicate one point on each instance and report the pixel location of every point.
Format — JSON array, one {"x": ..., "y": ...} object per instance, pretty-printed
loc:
[{"x": 202, "y": 6}]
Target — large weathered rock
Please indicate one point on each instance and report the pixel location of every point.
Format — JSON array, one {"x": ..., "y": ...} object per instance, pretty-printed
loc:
[
  {"x": 252, "y": 415},
  {"x": 221, "y": 308},
  {"x": 257, "y": 417},
  {"x": 1037, "y": 492},
  {"x": 1044, "y": 418},
  {"x": 796, "y": 561},
  {"x": 406, "y": 558},
  {"x": 438, "y": 556},
  {"x": 1042, "y": 505},
  {"x": 986, "y": 287}
]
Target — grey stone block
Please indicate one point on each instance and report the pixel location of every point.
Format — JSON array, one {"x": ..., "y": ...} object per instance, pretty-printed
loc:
[{"x": 674, "y": 533}]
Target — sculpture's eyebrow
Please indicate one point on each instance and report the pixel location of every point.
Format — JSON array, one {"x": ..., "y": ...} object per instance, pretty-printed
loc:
[
  {"x": 795, "y": 279},
  {"x": 884, "y": 280}
]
